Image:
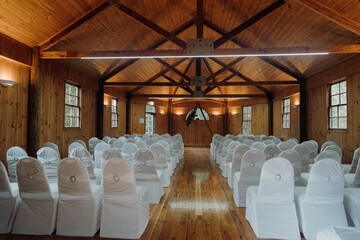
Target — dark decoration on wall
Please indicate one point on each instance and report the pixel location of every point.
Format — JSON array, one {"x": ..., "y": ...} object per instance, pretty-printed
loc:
[{"x": 191, "y": 117}]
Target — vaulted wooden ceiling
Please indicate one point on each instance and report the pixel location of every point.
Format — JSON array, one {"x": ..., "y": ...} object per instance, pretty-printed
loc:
[{"x": 68, "y": 29}]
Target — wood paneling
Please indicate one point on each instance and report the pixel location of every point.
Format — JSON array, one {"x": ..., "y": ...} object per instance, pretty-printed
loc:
[
  {"x": 317, "y": 102},
  {"x": 137, "y": 109},
  {"x": 234, "y": 120},
  {"x": 15, "y": 50},
  {"x": 260, "y": 119},
  {"x": 162, "y": 116},
  {"x": 54, "y": 75},
  {"x": 14, "y": 106}
]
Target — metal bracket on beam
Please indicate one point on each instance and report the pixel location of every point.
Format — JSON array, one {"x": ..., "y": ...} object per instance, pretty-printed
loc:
[
  {"x": 200, "y": 46},
  {"x": 198, "y": 81},
  {"x": 198, "y": 93}
]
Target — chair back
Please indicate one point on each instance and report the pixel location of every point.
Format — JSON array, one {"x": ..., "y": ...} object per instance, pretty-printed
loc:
[
  {"x": 230, "y": 151},
  {"x": 238, "y": 154},
  {"x": 328, "y": 154},
  {"x": 84, "y": 155},
  {"x": 258, "y": 145},
  {"x": 292, "y": 143},
  {"x": 5, "y": 188},
  {"x": 276, "y": 184},
  {"x": 144, "y": 165},
  {"x": 304, "y": 153},
  {"x": 13, "y": 155},
  {"x": 326, "y": 144},
  {"x": 73, "y": 180},
  {"x": 128, "y": 151},
  {"x": 141, "y": 144},
  {"x": 248, "y": 142},
  {"x": 92, "y": 143},
  {"x": 355, "y": 160},
  {"x": 283, "y": 146},
  {"x": 109, "y": 154},
  {"x": 32, "y": 180},
  {"x": 326, "y": 182},
  {"x": 53, "y": 146},
  {"x": 268, "y": 142},
  {"x": 251, "y": 165},
  {"x": 72, "y": 146},
  {"x": 50, "y": 159},
  {"x": 295, "y": 160},
  {"x": 81, "y": 142},
  {"x": 312, "y": 149},
  {"x": 98, "y": 151},
  {"x": 106, "y": 139},
  {"x": 335, "y": 148},
  {"x": 160, "y": 155},
  {"x": 118, "y": 144},
  {"x": 271, "y": 151}
]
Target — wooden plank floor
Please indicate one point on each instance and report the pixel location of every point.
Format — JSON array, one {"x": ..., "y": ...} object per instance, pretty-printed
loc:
[{"x": 197, "y": 205}]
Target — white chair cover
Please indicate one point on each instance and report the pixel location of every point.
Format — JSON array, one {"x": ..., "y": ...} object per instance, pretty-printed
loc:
[
  {"x": 74, "y": 145},
  {"x": 295, "y": 160},
  {"x": 53, "y": 146},
  {"x": 49, "y": 158},
  {"x": 36, "y": 214},
  {"x": 161, "y": 163},
  {"x": 351, "y": 168},
  {"x": 141, "y": 144},
  {"x": 128, "y": 151},
  {"x": 9, "y": 201},
  {"x": 229, "y": 158},
  {"x": 269, "y": 142},
  {"x": 111, "y": 142},
  {"x": 146, "y": 174},
  {"x": 80, "y": 202},
  {"x": 352, "y": 206},
  {"x": 224, "y": 153},
  {"x": 109, "y": 154},
  {"x": 271, "y": 151},
  {"x": 320, "y": 204},
  {"x": 352, "y": 180},
  {"x": 338, "y": 233},
  {"x": 234, "y": 166},
  {"x": 258, "y": 145},
  {"x": 292, "y": 143},
  {"x": 85, "y": 157},
  {"x": 283, "y": 146},
  {"x": 270, "y": 207},
  {"x": 313, "y": 151},
  {"x": 13, "y": 155},
  {"x": 98, "y": 151},
  {"x": 335, "y": 148},
  {"x": 118, "y": 144},
  {"x": 171, "y": 161},
  {"x": 106, "y": 139},
  {"x": 172, "y": 150},
  {"x": 92, "y": 143},
  {"x": 249, "y": 175},
  {"x": 325, "y": 144},
  {"x": 304, "y": 153},
  {"x": 125, "y": 212},
  {"x": 248, "y": 142},
  {"x": 328, "y": 154},
  {"x": 81, "y": 142}
]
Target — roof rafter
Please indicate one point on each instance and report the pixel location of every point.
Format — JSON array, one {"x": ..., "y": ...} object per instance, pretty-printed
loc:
[
  {"x": 183, "y": 86},
  {"x": 332, "y": 15},
  {"x": 206, "y": 96},
  {"x": 185, "y": 72},
  {"x": 172, "y": 82}
]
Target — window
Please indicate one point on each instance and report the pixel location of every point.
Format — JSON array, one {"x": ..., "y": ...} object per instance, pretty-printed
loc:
[
  {"x": 114, "y": 113},
  {"x": 72, "y": 106},
  {"x": 246, "y": 120},
  {"x": 338, "y": 107},
  {"x": 200, "y": 114},
  {"x": 150, "y": 112},
  {"x": 286, "y": 113}
]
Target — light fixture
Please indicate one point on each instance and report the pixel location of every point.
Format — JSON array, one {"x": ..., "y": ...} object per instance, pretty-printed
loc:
[
  {"x": 296, "y": 105},
  {"x": 7, "y": 83}
]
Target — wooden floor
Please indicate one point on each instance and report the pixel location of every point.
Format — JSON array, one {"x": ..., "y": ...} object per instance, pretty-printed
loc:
[{"x": 197, "y": 205}]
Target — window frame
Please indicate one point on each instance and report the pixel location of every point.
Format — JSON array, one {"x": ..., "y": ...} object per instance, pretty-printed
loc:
[
  {"x": 330, "y": 105},
  {"x": 244, "y": 119},
  {"x": 78, "y": 106},
  {"x": 286, "y": 113},
  {"x": 150, "y": 109},
  {"x": 114, "y": 113}
]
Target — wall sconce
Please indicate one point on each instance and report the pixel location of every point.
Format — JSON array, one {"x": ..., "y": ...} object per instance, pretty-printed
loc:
[
  {"x": 7, "y": 83},
  {"x": 296, "y": 105}
]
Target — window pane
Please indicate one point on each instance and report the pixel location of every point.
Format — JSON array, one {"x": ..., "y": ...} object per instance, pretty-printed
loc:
[
  {"x": 334, "y": 112},
  {"x": 76, "y": 112},
  {"x": 343, "y": 87},
  {"x": 67, "y": 88},
  {"x": 334, "y": 89},
  {"x": 343, "y": 98},
  {"x": 67, "y": 99},
  {"x": 67, "y": 121},
  {"x": 342, "y": 123},
  {"x": 335, "y": 100},
  {"x": 342, "y": 111},
  {"x": 333, "y": 123}
]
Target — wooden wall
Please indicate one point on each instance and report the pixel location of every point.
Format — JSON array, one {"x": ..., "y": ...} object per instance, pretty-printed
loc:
[
  {"x": 51, "y": 125},
  {"x": 137, "y": 110},
  {"x": 294, "y": 130},
  {"x": 14, "y": 106},
  {"x": 121, "y": 97},
  {"x": 317, "y": 105},
  {"x": 15, "y": 61},
  {"x": 162, "y": 116}
]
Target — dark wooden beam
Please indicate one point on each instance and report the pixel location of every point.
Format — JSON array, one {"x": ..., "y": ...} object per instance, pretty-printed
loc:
[
  {"x": 100, "y": 111},
  {"x": 167, "y": 65},
  {"x": 205, "y": 97},
  {"x": 208, "y": 67},
  {"x": 248, "y": 23},
  {"x": 147, "y": 23},
  {"x": 185, "y": 72},
  {"x": 172, "y": 82},
  {"x": 255, "y": 83},
  {"x": 181, "y": 85},
  {"x": 303, "y": 111},
  {"x": 156, "y": 76},
  {"x": 209, "y": 89},
  {"x": 129, "y": 62},
  {"x": 241, "y": 75},
  {"x": 128, "y": 113},
  {"x": 224, "y": 68},
  {"x": 57, "y": 37},
  {"x": 269, "y": 60},
  {"x": 199, "y": 35},
  {"x": 270, "y": 115}
]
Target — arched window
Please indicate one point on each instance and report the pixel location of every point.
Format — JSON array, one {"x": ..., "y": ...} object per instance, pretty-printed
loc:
[{"x": 198, "y": 115}]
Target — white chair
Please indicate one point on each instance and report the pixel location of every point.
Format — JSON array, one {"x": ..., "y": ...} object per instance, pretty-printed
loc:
[
  {"x": 171, "y": 161},
  {"x": 125, "y": 212},
  {"x": 304, "y": 153},
  {"x": 325, "y": 144},
  {"x": 13, "y": 155},
  {"x": 141, "y": 144},
  {"x": 106, "y": 139},
  {"x": 229, "y": 158},
  {"x": 295, "y": 160},
  {"x": 292, "y": 142},
  {"x": 271, "y": 151},
  {"x": 269, "y": 142},
  {"x": 234, "y": 166},
  {"x": 161, "y": 162},
  {"x": 313, "y": 151},
  {"x": 338, "y": 233},
  {"x": 53, "y": 146},
  {"x": 111, "y": 142},
  {"x": 351, "y": 168},
  {"x": 128, "y": 151},
  {"x": 320, "y": 204},
  {"x": 258, "y": 145},
  {"x": 92, "y": 142},
  {"x": 72, "y": 146},
  {"x": 328, "y": 154},
  {"x": 118, "y": 144},
  {"x": 9, "y": 201},
  {"x": 81, "y": 142},
  {"x": 352, "y": 206},
  {"x": 146, "y": 174},
  {"x": 85, "y": 157},
  {"x": 352, "y": 180},
  {"x": 249, "y": 175},
  {"x": 222, "y": 159},
  {"x": 270, "y": 207},
  {"x": 172, "y": 150},
  {"x": 98, "y": 151},
  {"x": 248, "y": 142},
  {"x": 109, "y": 154},
  {"x": 50, "y": 159},
  {"x": 36, "y": 214},
  {"x": 79, "y": 207},
  {"x": 283, "y": 146},
  {"x": 335, "y": 148}
]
